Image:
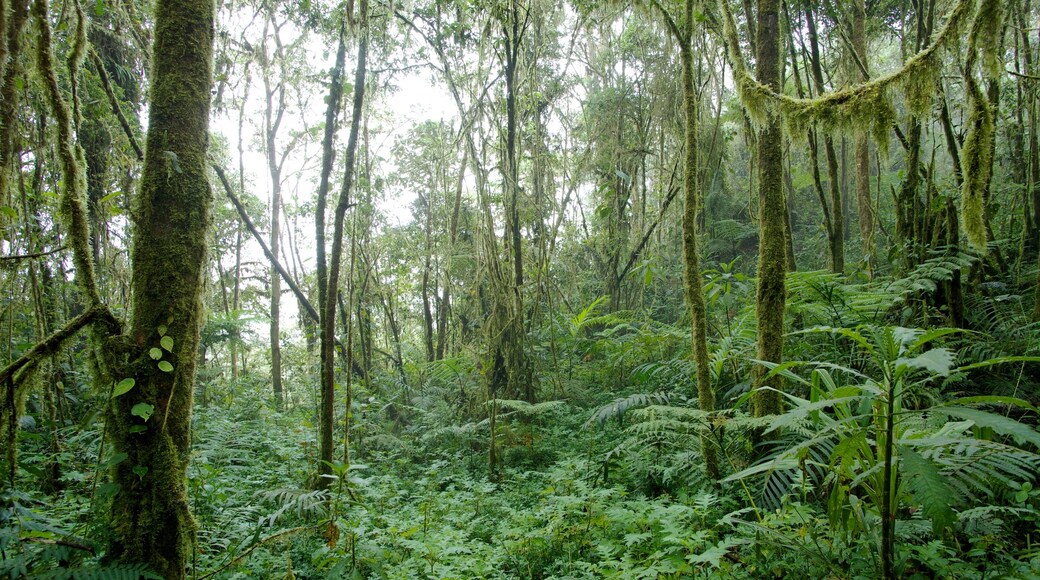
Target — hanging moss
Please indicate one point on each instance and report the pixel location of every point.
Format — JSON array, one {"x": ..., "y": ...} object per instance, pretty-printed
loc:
[
  {"x": 865, "y": 107},
  {"x": 73, "y": 200},
  {"x": 977, "y": 152}
]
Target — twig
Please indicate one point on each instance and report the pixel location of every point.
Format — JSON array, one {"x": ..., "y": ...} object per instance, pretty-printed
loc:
[
  {"x": 103, "y": 74},
  {"x": 31, "y": 256}
]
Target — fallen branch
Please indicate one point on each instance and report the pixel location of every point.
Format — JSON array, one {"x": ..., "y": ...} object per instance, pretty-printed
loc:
[{"x": 260, "y": 543}]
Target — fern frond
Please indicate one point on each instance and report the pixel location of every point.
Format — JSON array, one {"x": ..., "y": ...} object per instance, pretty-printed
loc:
[
  {"x": 618, "y": 408},
  {"x": 116, "y": 572},
  {"x": 301, "y": 502},
  {"x": 929, "y": 487}
]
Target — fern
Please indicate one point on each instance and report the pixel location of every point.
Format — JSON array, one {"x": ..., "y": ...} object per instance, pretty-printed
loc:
[
  {"x": 302, "y": 503},
  {"x": 928, "y": 486},
  {"x": 116, "y": 572},
  {"x": 618, "y": 408},
  {"x": 525, "y": 409}
]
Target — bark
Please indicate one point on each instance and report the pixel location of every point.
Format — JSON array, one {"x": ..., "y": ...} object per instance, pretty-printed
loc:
[
  {"x": 151, "y": 521},
  {"x": 770, "y": 297},
  {"x": 862, "y": 155},
  {"x": 328, "y": 392},
  {"x": 272, "y": 121}
]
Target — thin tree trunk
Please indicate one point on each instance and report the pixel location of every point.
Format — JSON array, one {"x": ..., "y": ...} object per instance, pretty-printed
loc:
[
  {"x": 272, "y": 121},
  {"x": 453, "y": 229},
  {"x": 328, "y": 392},
  {"x": 836, "y": 233},
  {"x": 866, "y": 211},
  {"x": 771, "y": 293}
]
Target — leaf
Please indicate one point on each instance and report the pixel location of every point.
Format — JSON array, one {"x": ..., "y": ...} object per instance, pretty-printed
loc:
[
  {"x": 110, "y": 197},
  {"x": 165, "y": 366},
  {"x": 143, "y": 410},
  {"x": 715, "y": 554},
  {"x": 140, "y": 471},
  {"x": 1020, "y": 432},
  {"x": 116, "y": 459},
  {"x": 155, "y": 353},
  {"x": 929, "y": 487},
  {"x": 993, "y": 400},
  {"x": 138, "y": 429},
  {"x": 162, "y": 330},
  {"x": 938, "y": 361},
  {"x": 167, "y": 343},
  {"x": 123, "y": 387}
]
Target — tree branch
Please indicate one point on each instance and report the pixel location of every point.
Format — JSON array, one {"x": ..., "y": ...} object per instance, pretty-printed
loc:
[
  {"x": 267, "y": 251},
  {"x": 52, "y": 343}
]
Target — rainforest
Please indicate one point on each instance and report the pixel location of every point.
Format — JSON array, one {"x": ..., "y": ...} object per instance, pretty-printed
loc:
[{"x": 519, "y": 289}]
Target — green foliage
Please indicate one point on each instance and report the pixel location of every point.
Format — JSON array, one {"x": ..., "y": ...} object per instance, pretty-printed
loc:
[{"x": 946, "y": 457}]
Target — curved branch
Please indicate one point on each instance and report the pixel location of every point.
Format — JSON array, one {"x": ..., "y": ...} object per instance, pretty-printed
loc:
[{"x": 866, "y": 103}]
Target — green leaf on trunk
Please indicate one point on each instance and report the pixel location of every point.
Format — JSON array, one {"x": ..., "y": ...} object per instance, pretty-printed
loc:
[
  {"x": 143, "y": 410},
  {"x": 123, "y": 387}
]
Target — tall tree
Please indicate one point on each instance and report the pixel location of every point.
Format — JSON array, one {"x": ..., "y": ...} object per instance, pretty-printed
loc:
[
  {"x": 771, "y": 293},
  {"x": 151, "y": 424},
  {"x": 274, "y": 112},
  {"x": 329, "y": 272},
  {"x": 694, "y": 283}
]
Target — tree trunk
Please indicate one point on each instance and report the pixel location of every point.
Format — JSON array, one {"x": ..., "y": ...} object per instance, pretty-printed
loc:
[
  {"x": 328, "y": 318},
  {"x": 866, "y": 211},
  {"x": 151, "y": 423},
  {"x": 272, "y": 121},
  {"x": 771, "y": 261},
  {"x": 836, "y": 233}
]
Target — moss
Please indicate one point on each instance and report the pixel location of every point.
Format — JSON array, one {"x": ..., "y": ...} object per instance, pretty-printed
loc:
[
  {"x": 73, "y": 200},
  {"x": 977, "y": 152},
  {"x": 866, "y": 107},
  {"x": 151, "y": 521},
  {"x": 771, "y": 292},
  {"x": 75, "y": 61},
  {"x": 976, "y": 165}
]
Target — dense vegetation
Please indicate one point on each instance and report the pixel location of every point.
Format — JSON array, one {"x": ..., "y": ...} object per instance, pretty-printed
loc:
[{"x": 520, "y": 289}]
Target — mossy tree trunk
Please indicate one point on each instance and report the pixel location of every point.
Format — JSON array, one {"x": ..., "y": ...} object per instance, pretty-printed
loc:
[
  {"x": 519, "y": 381},
  {"x": 151, "y": 424},
  {"x": 694, "y": 283},
  {"x": 331, "y": 294},
  {"x": 771, "y": 292},
  {"x": 862, "y": 155}
]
